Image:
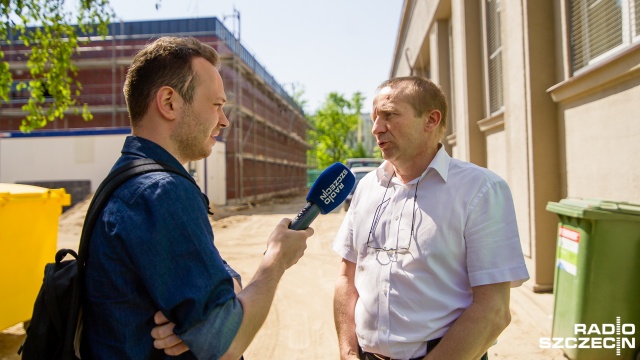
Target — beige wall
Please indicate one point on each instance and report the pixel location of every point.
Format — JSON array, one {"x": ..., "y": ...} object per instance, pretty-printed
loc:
[
  {"x": 467, "y": 80},
  {"x": 59, "y": 158},
  {"x": 529, "y": 56},
  {"x": 216, "y": 175},
  {"x": 602, "y": 145},
  {"x": 90, "y": 158},
  {"x": 517, "y": 128},
  {"x": 598, "y": 119},
  {"x": 558, "y": 135},
  {"x": 496, "y": 146}
]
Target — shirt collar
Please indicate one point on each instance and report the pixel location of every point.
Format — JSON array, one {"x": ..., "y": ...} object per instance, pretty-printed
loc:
[
  {"x": 140, "y": 147},
  {"x": 440, "y": 163}
]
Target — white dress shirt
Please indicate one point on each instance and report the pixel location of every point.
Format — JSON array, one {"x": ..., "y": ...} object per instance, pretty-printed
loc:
[{"x": 465, "y": 235}]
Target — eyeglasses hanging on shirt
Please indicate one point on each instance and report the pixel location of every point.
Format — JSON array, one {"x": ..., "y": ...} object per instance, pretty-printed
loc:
[{"x": 378, "y": 244}]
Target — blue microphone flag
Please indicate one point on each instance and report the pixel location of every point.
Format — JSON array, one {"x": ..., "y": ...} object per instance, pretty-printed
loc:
[
  {"x": 327, "y": 193},
  {"x": 332, "y": 187}
]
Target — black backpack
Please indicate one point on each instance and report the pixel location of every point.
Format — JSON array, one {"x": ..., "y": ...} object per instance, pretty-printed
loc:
[{"x": 57, "y": 309}]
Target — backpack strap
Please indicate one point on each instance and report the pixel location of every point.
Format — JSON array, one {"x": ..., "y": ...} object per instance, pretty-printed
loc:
[
  {"x": 116, "y": 178},
  {"x": 113, "y": 181}
]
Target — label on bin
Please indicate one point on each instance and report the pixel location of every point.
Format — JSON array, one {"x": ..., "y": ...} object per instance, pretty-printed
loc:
[
  {"x": 569, "y": 234},
  {"x": 568, "y": 244}
]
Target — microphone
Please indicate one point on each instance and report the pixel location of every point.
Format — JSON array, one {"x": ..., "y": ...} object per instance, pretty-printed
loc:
[{"x": 327, "y": 193}]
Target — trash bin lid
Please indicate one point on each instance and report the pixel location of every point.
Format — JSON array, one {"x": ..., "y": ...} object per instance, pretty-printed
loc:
[
  {"x": 16, "y": 192},
  {"x": 585, "y": 207}
]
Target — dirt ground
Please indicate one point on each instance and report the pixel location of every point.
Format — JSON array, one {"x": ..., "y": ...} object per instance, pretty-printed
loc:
[{"x": 300, "y": 324}]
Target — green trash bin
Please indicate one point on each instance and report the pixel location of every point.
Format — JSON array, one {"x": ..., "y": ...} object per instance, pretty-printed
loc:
[{"x": 596, "y": 311}]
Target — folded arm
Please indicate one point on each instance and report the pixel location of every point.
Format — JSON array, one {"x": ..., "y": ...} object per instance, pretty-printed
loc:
[{"x": 285, "y": 248}]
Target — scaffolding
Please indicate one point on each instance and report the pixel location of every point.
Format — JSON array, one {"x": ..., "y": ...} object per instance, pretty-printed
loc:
[{"x": 265, "y": 142}]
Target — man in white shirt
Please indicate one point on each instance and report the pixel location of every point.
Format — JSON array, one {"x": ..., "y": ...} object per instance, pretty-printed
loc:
[{"x": 430, "y": 244}]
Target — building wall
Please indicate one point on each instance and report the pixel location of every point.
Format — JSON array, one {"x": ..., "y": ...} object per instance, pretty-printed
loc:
[
  {"x": 75, "y": 161},
  {"x": 559, "y": 133},
  {"x": 497, "y": 148},
  {"x": 531, "y": 128},
  {"x": 211, "y": 174},
  {"x": 602, "y": 143},
  {"x": 66, "y": 156},
  {"x": 265, "y": 144}
]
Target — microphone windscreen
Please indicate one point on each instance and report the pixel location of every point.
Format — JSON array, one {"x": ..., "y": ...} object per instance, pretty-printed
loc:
[{"x": 332, "y": 187}]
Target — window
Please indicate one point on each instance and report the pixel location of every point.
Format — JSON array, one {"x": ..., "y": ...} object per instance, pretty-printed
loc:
[
  {"x": 636, "y": 13},
  {"x": 18, "y": 96},
  {"x": 494, "y": 54},
  {"x": 600, "y": 28},
  {"x": 451, "y": 123}
]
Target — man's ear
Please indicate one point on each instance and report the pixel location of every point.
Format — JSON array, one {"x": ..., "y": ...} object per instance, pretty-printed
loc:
[
  {"x": 432, "y": 120},
  {"x": 168, "y": 101}
]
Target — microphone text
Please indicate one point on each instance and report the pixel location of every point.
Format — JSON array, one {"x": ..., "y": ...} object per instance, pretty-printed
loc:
[{"x": 329, "y": 194}]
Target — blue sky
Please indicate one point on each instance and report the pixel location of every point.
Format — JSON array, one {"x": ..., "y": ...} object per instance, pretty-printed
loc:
[{"x": 322, "y": 45}]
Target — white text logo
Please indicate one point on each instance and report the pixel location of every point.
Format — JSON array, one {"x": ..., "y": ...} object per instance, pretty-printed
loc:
[
  {"x": 329, "y": 194},
  {"x": 604, "y": 336}
]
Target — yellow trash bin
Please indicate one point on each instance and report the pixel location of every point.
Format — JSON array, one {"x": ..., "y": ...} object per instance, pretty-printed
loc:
[{"x": 28, "y": 239}]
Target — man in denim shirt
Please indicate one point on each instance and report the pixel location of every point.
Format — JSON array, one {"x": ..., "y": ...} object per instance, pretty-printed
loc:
[{"x": 152, "y": 248}]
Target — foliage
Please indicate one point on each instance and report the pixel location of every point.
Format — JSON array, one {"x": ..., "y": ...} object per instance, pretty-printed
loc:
[
  {"x": 297, "y": 94},
  {"x": 331, "y": 125},
  {"x": 47, "y": 29},
  {"x": 377, "y": 153},
  {"x": 359, "y": 152}
]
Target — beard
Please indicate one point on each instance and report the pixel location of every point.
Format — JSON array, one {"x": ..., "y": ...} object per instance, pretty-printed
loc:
[{"x": 191, "y": 136}]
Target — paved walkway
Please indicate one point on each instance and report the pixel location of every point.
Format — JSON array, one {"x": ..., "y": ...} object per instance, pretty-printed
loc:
[{"x": 531, "y": 316}]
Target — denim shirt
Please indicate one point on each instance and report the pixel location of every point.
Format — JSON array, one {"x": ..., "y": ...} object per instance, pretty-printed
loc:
[{"x": 152, "y": 249}]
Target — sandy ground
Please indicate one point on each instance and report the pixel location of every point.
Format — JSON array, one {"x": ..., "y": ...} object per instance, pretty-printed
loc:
[{"x": 300, "y": 324}]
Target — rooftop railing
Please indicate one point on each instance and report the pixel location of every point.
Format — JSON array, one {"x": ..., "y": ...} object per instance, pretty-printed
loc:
[{"x": 185, "y": 27}]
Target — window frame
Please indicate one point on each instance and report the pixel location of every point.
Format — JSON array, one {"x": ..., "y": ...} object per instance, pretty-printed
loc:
[
  {"x": 630, "y": 27},
  {"x": 487, "y": 59}
]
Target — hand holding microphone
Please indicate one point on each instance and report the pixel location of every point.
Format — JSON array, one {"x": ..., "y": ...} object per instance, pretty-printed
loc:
[{"x": 327, "y": 193}]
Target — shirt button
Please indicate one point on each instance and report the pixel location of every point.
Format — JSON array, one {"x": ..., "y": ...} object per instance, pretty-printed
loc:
[{"x": 397, "y": 217}]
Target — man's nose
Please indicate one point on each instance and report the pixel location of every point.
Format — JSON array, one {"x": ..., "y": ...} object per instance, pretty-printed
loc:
[
  {"x": 378, "y": 126},
  {"x": 224, "y": 122}
]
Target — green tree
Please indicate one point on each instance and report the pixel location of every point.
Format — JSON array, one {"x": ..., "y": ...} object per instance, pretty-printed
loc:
[
  {"x": 359, "y": 152},
  {"x": 331, "y": 125},
  {"x": 53, "y": 33},
  {"x": 297, "y": 94},
  {"x": 377, "y": 153}
]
